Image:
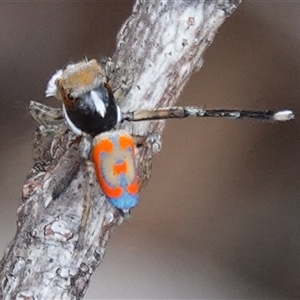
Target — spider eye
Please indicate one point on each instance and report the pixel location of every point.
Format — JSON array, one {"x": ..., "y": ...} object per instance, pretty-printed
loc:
[{"x": 70, "y": 97}]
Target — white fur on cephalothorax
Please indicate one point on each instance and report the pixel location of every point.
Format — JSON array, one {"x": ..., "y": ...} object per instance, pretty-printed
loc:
[
  {"x": 99, "y": 104},
  {"x": 51, "y": 90},
  {"x": 76, "y": 79}
]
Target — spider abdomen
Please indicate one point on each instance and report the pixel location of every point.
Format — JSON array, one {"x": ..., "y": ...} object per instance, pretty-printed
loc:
[
  {"x": 88, "y": 102},
  {"x": 114, "y": 159}
]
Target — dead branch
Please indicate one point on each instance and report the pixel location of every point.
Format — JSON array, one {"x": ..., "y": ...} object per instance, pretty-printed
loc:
[{"x": 52, "y": 256}]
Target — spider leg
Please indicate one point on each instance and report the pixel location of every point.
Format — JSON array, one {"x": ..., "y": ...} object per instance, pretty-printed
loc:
[
  {"x": 120, "y": 83},
  {"x": 147, "y": 146},
  {"x": 152, "y": 141},
  {"x": 56, "y": 173},
  {"x": 183, "y": 112},
  {"x": 87, "y": 203},
  {"x": 85, "y": 146},
  {"x": 56, "y": 155},
  {"x": 45, "y": 115}
]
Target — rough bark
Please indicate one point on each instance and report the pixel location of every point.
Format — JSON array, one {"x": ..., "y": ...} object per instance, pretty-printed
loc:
[{"x": 52, "y": 255}]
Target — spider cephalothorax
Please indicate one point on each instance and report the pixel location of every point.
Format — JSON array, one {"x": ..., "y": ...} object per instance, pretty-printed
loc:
[{"x": 88, "y": 102}]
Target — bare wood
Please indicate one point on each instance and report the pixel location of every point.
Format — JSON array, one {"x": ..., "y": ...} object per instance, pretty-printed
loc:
[{"x": 52, "y": 256}]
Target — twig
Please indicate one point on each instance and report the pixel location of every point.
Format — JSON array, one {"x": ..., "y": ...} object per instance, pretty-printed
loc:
[{"x": 52, "y": 256}]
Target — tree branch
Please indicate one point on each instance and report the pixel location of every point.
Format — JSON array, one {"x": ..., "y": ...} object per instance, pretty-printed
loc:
[{"x": 64, "y": 220}]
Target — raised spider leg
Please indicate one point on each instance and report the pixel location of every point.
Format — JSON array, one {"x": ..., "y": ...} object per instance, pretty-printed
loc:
[{"x": 183, "y": 112}]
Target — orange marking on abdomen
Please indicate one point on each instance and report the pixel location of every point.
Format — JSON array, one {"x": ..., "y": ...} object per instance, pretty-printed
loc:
[
  {"x": 103, "y": 146},
  {"x": 133, "y": 188},
  {"x": 110, "y": 192},
  {"x": 126, "y": 141},
  {"x": 120, "y": 168}
]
